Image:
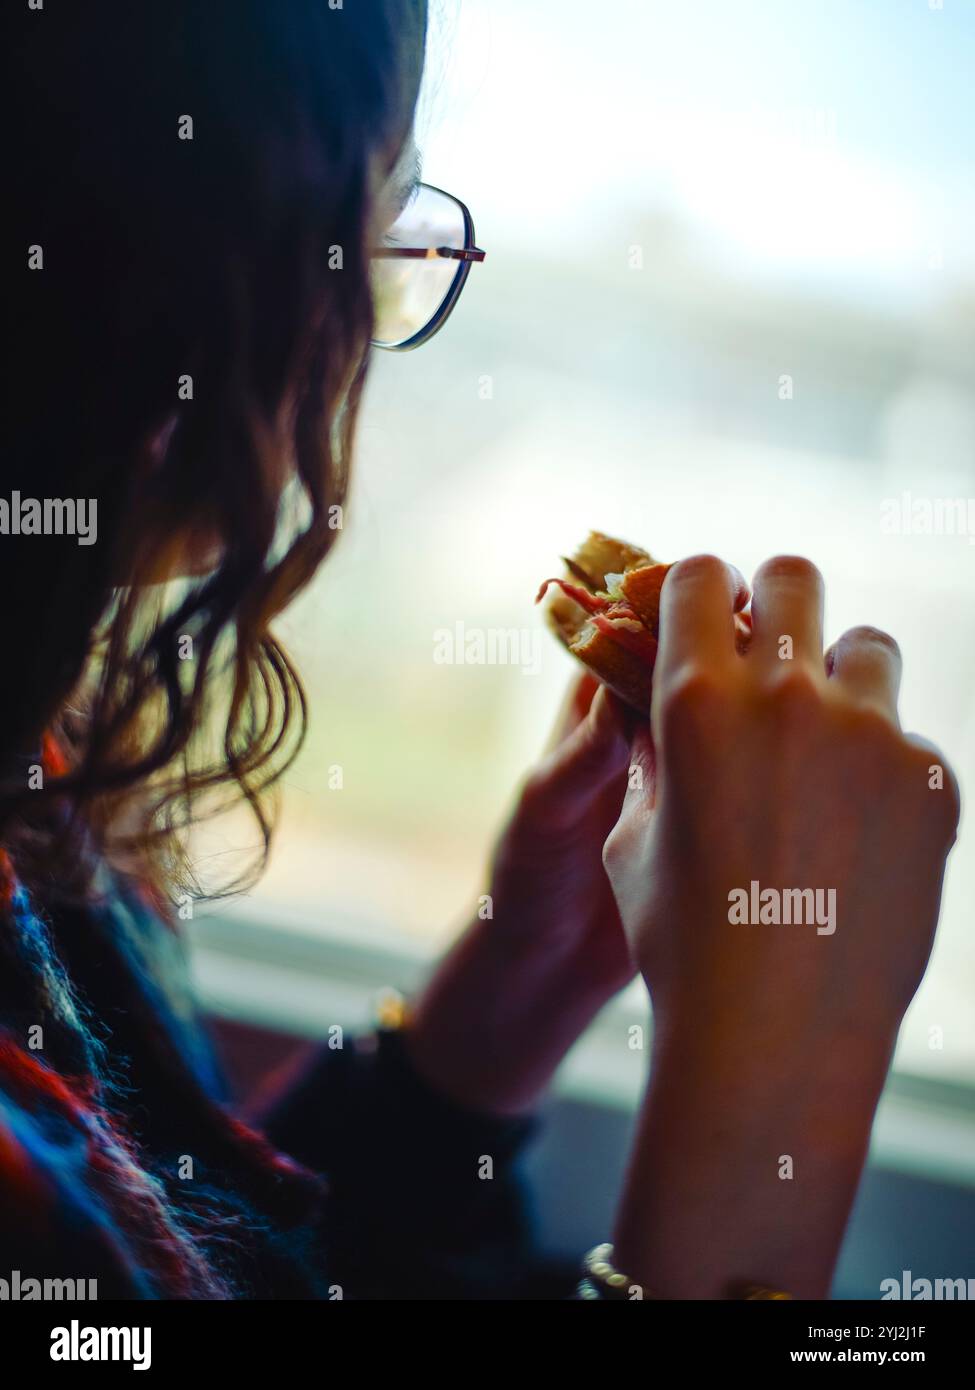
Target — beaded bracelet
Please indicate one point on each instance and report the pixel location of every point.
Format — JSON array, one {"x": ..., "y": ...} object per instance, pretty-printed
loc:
[{"x": 603, "y": 1282}]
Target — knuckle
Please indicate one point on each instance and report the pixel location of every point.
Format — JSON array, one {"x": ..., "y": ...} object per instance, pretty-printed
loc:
[
  {"x": 790, "y": 567},
  {"x": 612, "y": 851},
  {"x": 874, "y": 735},
  {"x": 691, "y": 696},
  {"x": 952, "y": 803},
  {"x": 794, "y": 693},
  {"x": 618, "y": 848},
  {"x": 933, "y": 774}
]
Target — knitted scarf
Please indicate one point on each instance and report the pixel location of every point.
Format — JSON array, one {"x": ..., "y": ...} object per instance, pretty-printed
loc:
[{"x": 76, "y": 1129}]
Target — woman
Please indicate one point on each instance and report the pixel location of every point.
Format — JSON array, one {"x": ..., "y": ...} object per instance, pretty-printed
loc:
[{"x": 206, "y": 195}]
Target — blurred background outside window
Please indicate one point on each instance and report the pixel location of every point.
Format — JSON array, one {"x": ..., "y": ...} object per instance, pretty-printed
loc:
[{"x": 728, "y": 305}]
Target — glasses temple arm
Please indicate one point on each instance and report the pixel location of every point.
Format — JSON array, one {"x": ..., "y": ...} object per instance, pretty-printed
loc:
[{"x": 428, "y": 253}]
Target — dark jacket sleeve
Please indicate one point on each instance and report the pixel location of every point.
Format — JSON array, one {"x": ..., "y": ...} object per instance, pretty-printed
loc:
[{"x": 424, "y": 1195}]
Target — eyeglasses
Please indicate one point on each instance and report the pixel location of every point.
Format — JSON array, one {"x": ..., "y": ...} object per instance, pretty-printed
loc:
[{"x": 420, "y": 270}]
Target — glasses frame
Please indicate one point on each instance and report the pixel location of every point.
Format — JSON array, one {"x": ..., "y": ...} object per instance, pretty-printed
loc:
[{"x": 466, "y": 256}]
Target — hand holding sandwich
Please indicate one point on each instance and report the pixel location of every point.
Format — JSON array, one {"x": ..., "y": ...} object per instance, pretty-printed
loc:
[
  {"x": 522, "y": 984},
  {"x": 770, "y": 1040},
  {"x": 763, "y": 763}
]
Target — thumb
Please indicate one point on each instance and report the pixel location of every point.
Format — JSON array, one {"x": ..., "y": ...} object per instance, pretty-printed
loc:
[
  {"x": 583, "y": 764},
  {"x": 599, "y": 747}
]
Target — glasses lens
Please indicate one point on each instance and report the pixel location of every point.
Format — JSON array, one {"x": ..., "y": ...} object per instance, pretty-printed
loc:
[{"x": 408, "y": 291}]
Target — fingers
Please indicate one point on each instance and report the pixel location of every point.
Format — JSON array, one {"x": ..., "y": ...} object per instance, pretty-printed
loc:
[
  {"x": 787, "y": 613},
  {"x": 698, "y": 601},
  {"x": 605, "y": 735},
  {"x": 865, "y": 664},
  {"x": 586, "y": 760},
  {"x": 575, "y": 706}
]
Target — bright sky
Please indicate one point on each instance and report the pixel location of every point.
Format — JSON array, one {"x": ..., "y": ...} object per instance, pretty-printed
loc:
[{"x": 830, "y": 141}]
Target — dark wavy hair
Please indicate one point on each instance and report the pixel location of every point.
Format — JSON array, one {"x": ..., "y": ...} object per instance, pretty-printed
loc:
[
  {"x": 238, "y": 261},
  {"x": 192, "y": 352}
]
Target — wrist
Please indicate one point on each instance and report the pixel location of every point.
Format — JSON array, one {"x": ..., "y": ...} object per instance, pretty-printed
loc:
[
  {"x": 497, "y": 1017},
  {"x": 788, "y": 1066},
  {"x": 745, "y": 1166}
]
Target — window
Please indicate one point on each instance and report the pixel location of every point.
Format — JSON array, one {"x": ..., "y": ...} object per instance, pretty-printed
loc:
[{"x": 728, "y": 305}]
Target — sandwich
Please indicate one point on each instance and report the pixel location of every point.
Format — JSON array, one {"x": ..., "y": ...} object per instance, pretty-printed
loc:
[{"x": 606, "y": 610}]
